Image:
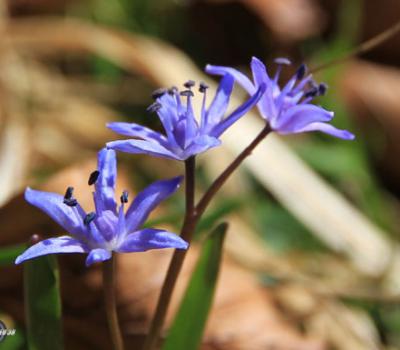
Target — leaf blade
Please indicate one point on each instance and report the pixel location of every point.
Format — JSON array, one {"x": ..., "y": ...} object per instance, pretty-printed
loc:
[
  {"x": 43, "y": 304},
  {"x": 196, "y": 303}
]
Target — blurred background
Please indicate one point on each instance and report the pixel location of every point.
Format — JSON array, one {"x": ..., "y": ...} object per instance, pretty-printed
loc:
[{"x": 313, "y": 250}]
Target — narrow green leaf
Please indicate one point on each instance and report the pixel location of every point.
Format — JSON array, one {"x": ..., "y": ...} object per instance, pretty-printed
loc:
[
  {"x": 9, "y": 254},
  {"x": 43, "y": 304},
  {"x": 188, "y": 327}
]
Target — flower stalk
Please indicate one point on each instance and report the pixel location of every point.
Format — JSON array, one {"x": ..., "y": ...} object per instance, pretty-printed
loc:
[
  {"x": 110, "y": 303},
  {"x": 177, "y": 259},
  {"x": 192, "y": 217}
]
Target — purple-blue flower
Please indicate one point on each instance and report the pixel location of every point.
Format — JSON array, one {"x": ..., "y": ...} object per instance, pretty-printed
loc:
[
  {"x": 184, "y": 135},
  {"x": 109, "y": 228},
  {"x": 288, "y": 110}
]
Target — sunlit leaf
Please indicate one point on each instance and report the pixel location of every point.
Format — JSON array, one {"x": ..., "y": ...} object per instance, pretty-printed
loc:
[
  {"x": 43, "y": 304},
  {"x": 187, "y": 329},
  {"x": 9, "y": 254}
]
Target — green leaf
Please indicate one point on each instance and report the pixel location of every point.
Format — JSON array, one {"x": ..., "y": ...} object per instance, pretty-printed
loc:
[
  {"x": 43, "y": 304},
  {"x": 187, "y": 330},
  {"x": 9, "y": 254}
]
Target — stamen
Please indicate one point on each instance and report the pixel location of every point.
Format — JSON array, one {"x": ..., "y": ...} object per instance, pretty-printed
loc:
[
  {"x": 187, "y": 93},
  {"x": 203, "y": 87},
  {"x": 93, "y": 177},
  {"x": 312, "y": 92},
  {"x": 301, "y": 71},
  {"x": 69, "y": 192},
  {"x": 322, "y": 89},
  {"x": 154, "y": 107},
  {"x": 282, "y": 60},
  {"x": 71, "y": 202},
  {"x": 158, "y": 93},
  {"x": 189, "y": 84},
  {"x": 172, "y": 90},
  {"x": 124, "y": 197},
  {"x": 89, "y": 218}
]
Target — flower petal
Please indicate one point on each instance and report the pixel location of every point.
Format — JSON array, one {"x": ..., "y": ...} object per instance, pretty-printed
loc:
[
  {"x": 105, "y": 184},
  {"x": 70, "y": 218},
  {"x": 299, "y": 116},
  {"x": 239, "y": 112},
  {"x": 97, "y": 255},
  {"x": 266, "y": 105},
  {"x": 147, "y": 200},
  {"x": 219, "y": 105},
  {"x": 200, "y": 145},
  {"x": 328, "y": 129},
  {"x": 168, "y": 113},
  {"x": 58, "y": 245},
  {"x": 136, "y": 130},
  {"x": 142, "y": 147},
  {"x": 150, "y": 238},
  {"x": 241, "y": 79}
]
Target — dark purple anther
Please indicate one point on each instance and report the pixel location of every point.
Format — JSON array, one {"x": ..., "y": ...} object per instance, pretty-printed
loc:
[
  {"x": 172, "y": 90},
  {"x": 71, "y": 202},
  {"x": 93, "y": 177},
  {"x": 312, "y": 92},
  {"x": 203, "y": 87},
  {"x": 69, "y": 192},
  {"x": 301, "y": 71},
  {"x": 322, "y": 89},
  {"x": 154, "y": 107},
  {"x": 189, "y": 84},
  {"x": 89, "y": 218},
  {"x": 187, "y": 93},
  {"x": 124, "y": 197},
  {"x": 158, "y": 93}
]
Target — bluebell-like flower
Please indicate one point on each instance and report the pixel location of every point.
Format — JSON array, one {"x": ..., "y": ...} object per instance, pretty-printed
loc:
[
  {"x": 109, "y": 228},
  {"x": 184, "y": 135},
  {"x": 289, "y": 109}
]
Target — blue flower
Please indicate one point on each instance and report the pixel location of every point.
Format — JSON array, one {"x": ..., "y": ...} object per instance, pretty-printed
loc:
[
  {"x": 288, "y": 110},
  {"x": 184, "y": 136},
  {"x": 109, "y": 228}
]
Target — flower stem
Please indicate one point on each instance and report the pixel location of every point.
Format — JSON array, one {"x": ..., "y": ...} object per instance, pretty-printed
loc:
[
  {"x": 177, "y": 259},
  {"x": 216, "y": 185},
  {"x": 110, "y": 303},
  {"x": 192, "y": 217}
]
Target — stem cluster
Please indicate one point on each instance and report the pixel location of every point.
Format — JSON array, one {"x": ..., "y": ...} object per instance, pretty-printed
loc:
[{"x": 192, "y": 216}]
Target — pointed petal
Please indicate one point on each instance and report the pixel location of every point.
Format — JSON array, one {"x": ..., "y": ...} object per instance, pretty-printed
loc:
[
  {"x": 239, "y": 112},
  {"x": 266, "y": 105},
  {"x": 58, "y": 245},
  {"x": 219, "y": 105},
  {"x": 147, "y": 200},
  {"x": 240, "y": 78},
  {"x": 121, "y": 227},
  {"x": 136, "y": 130},
  {"x": 106, "y": 225},
  {"x": 97, "y": 255},
  {"x": 70, "y": 218},
  {"x": 105, "y": 184},
  {"x": 200, "y": 145},
  {"x": 328, "y": 129},
  {"x": 299, "y": 116},
  {"x": 142, "y": 147},
  {"x": 191, "y": 126},
  {"x": 149, "y": 238},
  {"x": 169, "y": 113},
  {"x": 260, "y": 75}
]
